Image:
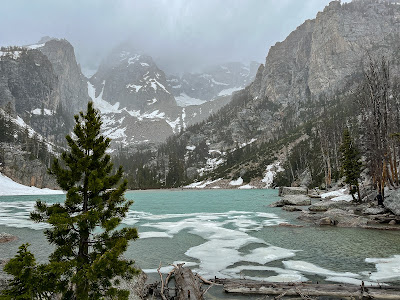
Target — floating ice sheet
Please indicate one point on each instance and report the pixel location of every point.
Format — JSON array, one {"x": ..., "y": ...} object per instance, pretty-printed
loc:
[
  {"x": 310, "y": 268},
  {"x": 388, "y": 269}
]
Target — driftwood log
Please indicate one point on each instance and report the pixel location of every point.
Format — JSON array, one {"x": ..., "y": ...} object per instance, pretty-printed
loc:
[
  {"x": 304, "y": 290},
  {"x": 187, "y": 285}
]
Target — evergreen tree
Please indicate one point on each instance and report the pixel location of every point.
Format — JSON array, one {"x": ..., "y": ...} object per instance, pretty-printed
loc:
[
  {"x": 83, "y": 229},
  {"x": 31, "y": 281},
  {"x": 176, "y": 172},
  {"x": 351, "y": 164}
]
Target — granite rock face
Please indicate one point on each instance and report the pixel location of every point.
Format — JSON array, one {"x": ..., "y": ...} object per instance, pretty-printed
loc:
[
  {"x": 41, "y": 88},
  {"x": 27, "y": 81},
  {"x": 72, "y": 84},
  {"x": 322, "y": 54},
  {"x": 30, "y": 172}
]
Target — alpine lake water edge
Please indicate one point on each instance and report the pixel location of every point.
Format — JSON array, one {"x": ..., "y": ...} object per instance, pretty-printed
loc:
[{"x": 228, "y": 234}]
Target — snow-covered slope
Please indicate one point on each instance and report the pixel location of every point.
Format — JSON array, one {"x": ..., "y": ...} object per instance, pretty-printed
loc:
[{"x": 9, "y": 187}]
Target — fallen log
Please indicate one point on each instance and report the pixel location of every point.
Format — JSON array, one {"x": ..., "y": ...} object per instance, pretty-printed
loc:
[
  {"x": 187, "y": 286},
  {"x": 309, "y": 289}
]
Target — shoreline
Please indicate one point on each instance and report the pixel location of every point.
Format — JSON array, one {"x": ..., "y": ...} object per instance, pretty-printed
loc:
[{"x": 318, "y": 211}]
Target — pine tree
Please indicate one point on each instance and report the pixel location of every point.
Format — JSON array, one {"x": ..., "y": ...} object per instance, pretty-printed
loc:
[
  {"x": 351, "y": 164},
  {"x": 31, "y": 281},
  {"x": 88, "y": 246}
]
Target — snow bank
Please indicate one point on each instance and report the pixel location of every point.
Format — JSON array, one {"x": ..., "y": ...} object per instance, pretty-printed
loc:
[
  {"x": 339, "y": 195},
  {"x": 247, "y": 187},
  {"x": 333, "y": 194},
  {"x": 185, "y": 100},
  {"x": 238, "y": 181},
  {"x": 8, "y": 187}
]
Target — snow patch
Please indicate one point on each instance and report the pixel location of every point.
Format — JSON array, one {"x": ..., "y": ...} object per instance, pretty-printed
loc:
[
  {"x": 201, "y": 184},
  {"x": 184, "y": 100},
  {"x": 230, "y": 91},
  {"x": 236, "y": 182},
  {"x": 34, "y": 46},
  {"x": 339, "y": 195},
  {"x": 270, "y": 173},
  {"x": 46, "y": 112},
  {"x": 102, "y": 105},
  {"x": 247, "y": 187},
  {"x": 8, "y": 187},
  {"x": 152, "y": 101},
  {"x": 133, "y": 86}
]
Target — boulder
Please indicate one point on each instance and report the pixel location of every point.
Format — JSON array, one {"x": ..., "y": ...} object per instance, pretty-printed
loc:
[
  {"x": 374, "y": 211},
  {"x": 293, "y": 191},
  {"x": 326, "y": 221},
  {"x": 392, "y": 202},
  {"x": 345, "y": 218},
  {"x": 327, "y": 204},
  {"x": 6, "y": 237},
  {"x": 291, "y": 208},
  {"x": 296, "y": 200}
]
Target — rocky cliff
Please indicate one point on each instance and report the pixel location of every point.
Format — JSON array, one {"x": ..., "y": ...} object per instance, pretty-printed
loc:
[
  {"x": 72, "y": 86},
  {"x": 316, "y": 64},
  {"x": 324, "y": 54}
]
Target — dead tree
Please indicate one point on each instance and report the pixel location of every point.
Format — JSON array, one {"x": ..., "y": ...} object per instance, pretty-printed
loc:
[{"x": 376, "y": 102}]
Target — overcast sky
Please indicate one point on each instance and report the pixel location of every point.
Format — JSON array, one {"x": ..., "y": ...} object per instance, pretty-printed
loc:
[{"x": 181, "y": 35}]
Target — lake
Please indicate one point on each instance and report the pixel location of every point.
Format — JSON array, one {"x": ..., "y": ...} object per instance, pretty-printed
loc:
[{"x": 228, "y": 233}]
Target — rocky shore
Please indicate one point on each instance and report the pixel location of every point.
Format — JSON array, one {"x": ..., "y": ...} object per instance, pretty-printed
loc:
[{"x": 336, "y": 208}]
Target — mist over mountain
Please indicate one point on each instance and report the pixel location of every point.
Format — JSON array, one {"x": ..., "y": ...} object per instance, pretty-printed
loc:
[
  {"x": 181, "y": 36},
  {"x": 200, "y": 119}
]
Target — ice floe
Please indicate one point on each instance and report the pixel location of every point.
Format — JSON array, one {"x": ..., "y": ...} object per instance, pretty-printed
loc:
[
  {"x": 387, "y": 269},
  {"x": 310, "y": 268}
]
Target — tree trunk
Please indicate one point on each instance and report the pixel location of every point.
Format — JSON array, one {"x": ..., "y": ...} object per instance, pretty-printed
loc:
[
  {"x": 305, "y": 290},
  {"x": 187, "y": 285}
]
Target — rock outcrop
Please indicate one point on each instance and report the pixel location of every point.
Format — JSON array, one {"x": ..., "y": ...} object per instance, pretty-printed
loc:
[
  {"x": 72, "y": 87},
  {"x": 322, "y": 54}
]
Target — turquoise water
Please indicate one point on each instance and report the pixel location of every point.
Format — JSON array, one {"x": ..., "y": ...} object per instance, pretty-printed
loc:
[{"x": 228, "y": 233}]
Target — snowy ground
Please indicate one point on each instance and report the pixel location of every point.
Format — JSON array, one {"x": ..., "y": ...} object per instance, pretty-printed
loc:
[
  {"x": 338, "y": 195},
  {"x": 9, "y": 187}
]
